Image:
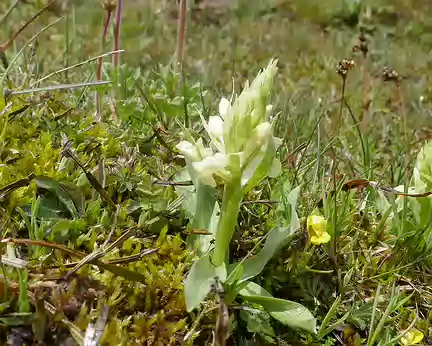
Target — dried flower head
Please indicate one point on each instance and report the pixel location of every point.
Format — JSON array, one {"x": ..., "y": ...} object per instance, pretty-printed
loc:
[
  {"x": 363, "y": 43},
  {"x": 109, "y": 5},
  {"x": 390, "y": 75},
  {"x": 344, "y": 66}
]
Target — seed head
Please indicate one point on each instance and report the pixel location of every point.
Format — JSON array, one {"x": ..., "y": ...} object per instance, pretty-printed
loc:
[
  {"x": 344, "y": 66},
  {"x": 109, "y": 5},
  {"x": 390, "y": 75}
]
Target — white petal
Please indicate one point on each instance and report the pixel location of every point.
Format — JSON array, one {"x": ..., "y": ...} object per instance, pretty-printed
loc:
[
  {"x": 188, "y": 150},
  {"x": 224, "y": 107},
  {"x": 215, "y": 125},
  {"x": 269, "y": 108},
  {"x": 277, "y": 142},
  {"x": 209, "y": 166},
  {"x": 263, "y": 130}
]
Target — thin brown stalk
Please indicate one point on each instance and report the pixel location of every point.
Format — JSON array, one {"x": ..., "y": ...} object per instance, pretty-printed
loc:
[
  {"x": 402, "y": 108},
  {"x": 181, "y": 38},
  {"x": 363, "y": 47},
  {"x": 100, "y": 60},
  {"x": 339, "y": 120},
  {"x": 366, "y": 99},
  {"x": 117, "y": 27}
]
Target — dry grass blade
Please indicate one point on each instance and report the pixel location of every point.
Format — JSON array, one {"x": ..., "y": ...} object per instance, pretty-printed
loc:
[
  {"x": 87, "y": 259},
  {"x": 362, "y": 183},
  {"x": 46, "y": 244},
  {"x": 173, "y": 183},
  {"x": 59, "y": 87},
  {"x": 94, "y": 256},
  {"x": 75, "y": 66}
]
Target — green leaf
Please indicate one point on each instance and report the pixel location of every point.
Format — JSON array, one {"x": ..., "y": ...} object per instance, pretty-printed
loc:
[
  {"x": 199, "y": 281},
  {"x": 286, "y": 214},
  {"x": 287, "y": 312},
  {"x": 275, "y": 239},
  {"x": 201, "y": 207},
  {"x": 61, "y": 229},
  {"x": 23, "y": 300},
  {"x": 62, "y": 194},
  {"x": 205, "y": 216},
  {"x": 76, "y": 196},
  {"x": 254, "y": 265}
]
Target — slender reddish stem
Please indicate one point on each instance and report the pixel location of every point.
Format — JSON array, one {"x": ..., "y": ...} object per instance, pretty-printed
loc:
[
  {"x": 403, "y": 110},
  {"x": 117, "y": 27},
  {"x": 100, "y": 61},
  {"x": 366, "y": 100},
  {"x": 182, "y": 21}
]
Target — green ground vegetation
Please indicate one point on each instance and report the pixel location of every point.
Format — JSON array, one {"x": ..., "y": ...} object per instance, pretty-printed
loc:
[{"x": 96, "y": 219}]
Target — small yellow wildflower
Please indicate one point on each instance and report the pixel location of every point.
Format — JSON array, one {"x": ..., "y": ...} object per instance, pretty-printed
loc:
[
  {"x": 412, "y": 337},
  {"x": 316, "y": 226}
]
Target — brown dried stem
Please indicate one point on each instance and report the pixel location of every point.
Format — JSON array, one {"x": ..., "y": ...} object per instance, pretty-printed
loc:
[
  {"x": 117, "y": 27},
  {"x": 108, "y": 16},
  {"x": 181, "y": 39}
]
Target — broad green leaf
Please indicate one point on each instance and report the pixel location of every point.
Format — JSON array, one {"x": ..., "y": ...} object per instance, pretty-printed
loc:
[
  {"x": 76, "y": 196},
  {"x": 62, "y": 194},
  {"x": 254, "y": 265},
  {"x": 287, "y": 312},
  {"x": 201, "y": 208},
  {"x": 187, "y": 192},
  {"x": 199, "y": 281},
  {"x": 206, "y": 215},
  {"x": 286, "y": 208},
  {"x": 275, "y": 239},
  {"x": 235, "y": 273}
]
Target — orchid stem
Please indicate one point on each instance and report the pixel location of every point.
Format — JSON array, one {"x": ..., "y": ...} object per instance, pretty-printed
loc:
[{"x": 231, "y": 202}]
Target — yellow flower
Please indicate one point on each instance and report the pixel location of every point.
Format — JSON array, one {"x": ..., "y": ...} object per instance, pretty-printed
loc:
[
  {"x": 412, "y": 337},
  {"x": 316, "y": 226}
]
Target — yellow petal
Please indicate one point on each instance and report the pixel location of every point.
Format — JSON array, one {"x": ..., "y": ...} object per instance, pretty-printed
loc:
[
  {"x": 321, "y": 239},
  {"x": 412, "y": 337},
  {"x": 317, "y": 224}
]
